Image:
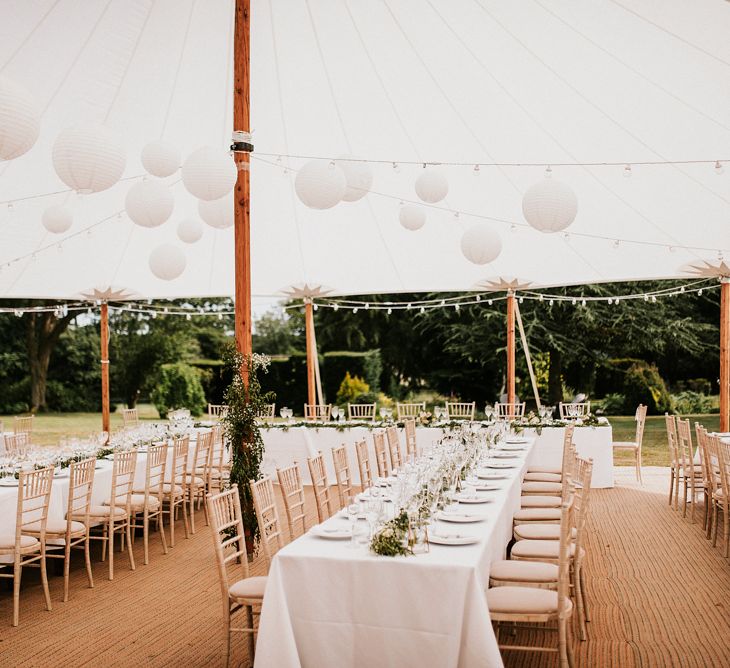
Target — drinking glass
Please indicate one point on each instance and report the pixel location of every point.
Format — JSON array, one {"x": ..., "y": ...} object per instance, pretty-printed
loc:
[
  {"x": 335, "y": 412},
  {"x": 353, "y": 510}
]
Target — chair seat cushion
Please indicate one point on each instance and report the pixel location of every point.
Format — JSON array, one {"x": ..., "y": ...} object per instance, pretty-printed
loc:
[
  {"x": 138, "y": 502},
  {"x": 102, "y": 511},
  {"x": 540, "y": 501},
  {"x": 534, "y": 487},
  {"x": 621, "y": 445},
  {"x": 537, "y": 515},
  {"x": 546, "y": 469},
  {"x": 197, "y": 480},
  {"x": 55, "y": 526},
  {"x": 536, "y": 476},
  {"x": 166, "y": 488},
  {"x": 540, "y": 549},
  {"x": 252, "y": 587},
  {"x": 527, "y": 600},
  {"x": 539, "y": 531},
  {"x": 523, "y": 571},
  {"x": 7, "y": 541}
]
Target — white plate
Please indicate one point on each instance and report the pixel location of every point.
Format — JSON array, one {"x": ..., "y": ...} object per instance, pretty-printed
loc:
[
  {"x": 462, "y": 518},
  {"x": 512, "y": 448},
  {"x": 500, "y": 465},
  {"x": 448, "y": 538},
  {"x": 488, "y": 488},
  {"x": 516, "y": 439},
  {"x": 505, "y": 455},
  {"x": 332, "y": 533},
  {"x": 473, "y": 499},
  {"x": 491, "y": 475},
  {"x": 9, "y": 482}
]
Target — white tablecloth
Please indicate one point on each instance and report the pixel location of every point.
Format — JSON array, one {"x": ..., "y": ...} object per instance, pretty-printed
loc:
[
  {"x": 591, "y": 442},
  {"x": 329, "y": 605}
]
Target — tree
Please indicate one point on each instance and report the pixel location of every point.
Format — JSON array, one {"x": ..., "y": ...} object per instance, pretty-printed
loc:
[{"x": 278, "y": 333}]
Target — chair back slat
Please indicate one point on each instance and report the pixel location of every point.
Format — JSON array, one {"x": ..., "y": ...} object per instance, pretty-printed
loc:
[
  {"x": 671, "y": 424},
  {"x": 505, "y": 411},
  {"x": 317, "y": 412},
  {"x": 396, "y": 455},
  {"x": 722, "y": 450},
  {"x": 363, "y": 464},
  {"x": 264, "y": 501},
  {"x": 292, "y": 492},
  {"x": 343, "y": 475},
  {"x": 321, "y": 487},
  {"x": 381, "y": 454},
  {"x": 684, "y": 447},
  {"x": 460, "y": 410},
  {"x": 361, "y": 411},
  {"x": 574, "y": 409},
  {"x": 640, "y": 418},
  {"x": 410, "y": 409}
]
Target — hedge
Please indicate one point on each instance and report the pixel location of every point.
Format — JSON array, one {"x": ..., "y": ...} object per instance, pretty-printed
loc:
[{"x": 367, "y": 365}]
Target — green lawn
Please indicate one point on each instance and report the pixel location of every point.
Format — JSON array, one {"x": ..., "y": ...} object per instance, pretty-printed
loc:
[
  {"x": 50, "y": 427},
  {"x": 655, "y": 451}
]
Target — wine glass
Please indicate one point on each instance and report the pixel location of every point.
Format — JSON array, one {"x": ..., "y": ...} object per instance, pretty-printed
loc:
[
  {"x": 335, "y": 412},
  {"x": 353, "y": 510},
  {"x": 282, "y": 412},
  {"x": 383, "y": 412}
]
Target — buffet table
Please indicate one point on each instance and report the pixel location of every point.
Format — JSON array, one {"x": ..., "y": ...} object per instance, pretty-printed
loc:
[{"x": 331, "y": 605}]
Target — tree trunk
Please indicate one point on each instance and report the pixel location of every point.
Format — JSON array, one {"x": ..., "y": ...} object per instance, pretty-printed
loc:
[
  {"x": 42, "y": 333},
  {"x": 555, "y": 378}
]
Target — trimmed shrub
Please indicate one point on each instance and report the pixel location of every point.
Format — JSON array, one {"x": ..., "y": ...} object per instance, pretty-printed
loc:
[
  {"x": 644, "y": 385},
  {"x": 690, "y": 403},
  {"x": 351, "y": 389},
  {"x": 179, "y": 386},
  {"x": 367, "y": 365}
]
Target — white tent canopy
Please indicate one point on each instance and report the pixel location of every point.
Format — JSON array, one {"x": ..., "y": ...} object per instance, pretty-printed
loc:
[{"x": 407, "y": 81}]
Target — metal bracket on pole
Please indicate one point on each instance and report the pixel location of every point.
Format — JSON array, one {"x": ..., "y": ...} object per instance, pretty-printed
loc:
[{"x": 523, "y": 338}]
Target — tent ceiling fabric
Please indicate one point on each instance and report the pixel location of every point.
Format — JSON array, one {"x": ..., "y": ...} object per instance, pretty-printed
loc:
[{"x": 469, "y": 81}]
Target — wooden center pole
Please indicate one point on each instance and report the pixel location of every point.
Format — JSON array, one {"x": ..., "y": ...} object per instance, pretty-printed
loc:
[
  {"x": 105, "y": 425},
  {"x": 311, "y": 351},
  {"x": 511, "y": 349},
  {"x": 725, "y": 354},
  {"x": 242, "y": 202}
]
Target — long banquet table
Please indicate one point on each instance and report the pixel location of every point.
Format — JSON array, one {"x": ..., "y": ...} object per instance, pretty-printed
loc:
[{"x": 330, "y": 605}]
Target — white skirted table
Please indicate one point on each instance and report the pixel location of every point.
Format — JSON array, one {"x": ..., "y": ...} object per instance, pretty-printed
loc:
[{"x": 333, "y": 606}]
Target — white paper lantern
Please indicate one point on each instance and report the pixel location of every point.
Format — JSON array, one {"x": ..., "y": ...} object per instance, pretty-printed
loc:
[
  {"x": 412, "y": 217},
  {"x": 167, "y": 262},
  {"x": 189, "y": 230},
  {"x": 88, "y": 159},
  {"x": 20, "y": 121},
  {"x": 217, "y": 213},
  {"x": 161, "y": 158},
  {"x": 209, "y": 173},
  {"x": 550, "y": 205},
  {"x": 320, "y": 184},
  {"x": 57, "y": 219},
  {"x": 480, "y": 244},
  {"x": 149, "y": 203},
  {"x": 431, "y": 185},
  {"x": 358, "y": 176}
]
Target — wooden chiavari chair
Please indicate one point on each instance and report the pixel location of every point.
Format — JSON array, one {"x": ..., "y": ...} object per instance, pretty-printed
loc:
[
  {"x": 460, "y": 410},
  {"x": 709, "y": 477},
  {"x": 264, "y": 502},
  {"x": 148, "y": 501},
  {"x": 17, "y": 444},
  {"x": 268, "y": 412},
  {"x": 245, "y": 592},
  {"x": 363, "y": 464},
  {"x": 219, "y": 468},
  {"x": 321, "y": 412},
  {"x": 721, "y": 498},
  {"x": 115, "y": 514},
  {"x": 174, "y": 489},
  {"x": 217, "y": 411},
  {"x": 130, "y": 417},
  {"x": 360, "y": 411},
  {"x": 674, "y": 468},
  {"x": 535, "y": 605},
  {"x": 572, "y": 410},
  {"x": 635, "y": 446},
  {"x": 547, "y": 494},
  {"x": 28, "y": 548},
  {"x": 506, "y": 411},
  {"x": 396, "y": 455},
  {"x": 689, "y": 472},
  {"x": 23, "y": 425},
  {"x": 381, "y": 454},
  {"x": 412, "y": 410},
  {"x": 321, "y": 487},
  {"x": 411, "y": 443},
  {"x": 292, "y": 492},
  {"x": 343, "y": 475},
  {"x": 73, "y": 532},
  {"x": 197, "y": 479}
]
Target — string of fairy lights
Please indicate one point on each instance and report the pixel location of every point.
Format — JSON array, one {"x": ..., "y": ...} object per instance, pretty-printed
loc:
[{"x": 480, "y": 299}]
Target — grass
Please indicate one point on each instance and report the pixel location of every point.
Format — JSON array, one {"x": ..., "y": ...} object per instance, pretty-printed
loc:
[{"x": 50, "y": 427}]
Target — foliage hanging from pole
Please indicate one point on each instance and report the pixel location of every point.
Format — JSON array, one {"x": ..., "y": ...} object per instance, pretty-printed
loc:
[{"x": 245, "y": 403}]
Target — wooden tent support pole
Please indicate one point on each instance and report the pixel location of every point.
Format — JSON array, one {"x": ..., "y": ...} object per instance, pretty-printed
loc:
[
  {"x": 528, "y": 357},
  {"x": 311, "y": 351},
  {"x": 510, "y": 348},
  {"x": 242, "y": 199},
  {"x": 317, "y": 376},
  {"x": 105, "y": 420},
  {"x": 725, "y": 353}
]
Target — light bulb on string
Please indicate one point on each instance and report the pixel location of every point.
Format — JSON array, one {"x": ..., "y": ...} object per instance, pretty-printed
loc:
[
  {"x": 315, "y": 306},
  {"x": 699, "y": 292},
  {"x": 646, "y": 298},
  {"x": 627, "y": 172},
  {"x": 719, "y": 169},
  {"x": 188, "y": 317},
  {"x": 476, "y": 170},
  {"x": 610, "y": 301},
  {"x": 671, "y": 249},
  {"x": 423, "y": 309},
  {"x": 522, "y": 300},
  {"x": 408, "y": 307},
  {"x": 354, "y": 310},
  {"x": 653, "y": 299},
  {"x": 478, "y": 298},
  {"x": 575, "y": 301},
  {"x": 367, "y": 306},
  {"x": 396, "y": 168},
  {"x": 681, "y": 289},
  {"x": 616, "y": 244},
  {"x": 548, "y": 172},
  {"x": 456, "y": 307},
  {"x": 390, "y": 311},
  {"x": 490, "y": 302},
  {"x": 551, "y": 302},
  {"x": 336, "y": 307},
  {"x": 513, "y": 228},
  {"x": 583, "y": 303}
]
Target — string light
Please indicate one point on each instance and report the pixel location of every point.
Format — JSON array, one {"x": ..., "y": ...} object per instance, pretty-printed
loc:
[
  {"x": 476, "y": 170},
  {"x": 719, "y": 169},
  {"x": 627, "y": 172}
]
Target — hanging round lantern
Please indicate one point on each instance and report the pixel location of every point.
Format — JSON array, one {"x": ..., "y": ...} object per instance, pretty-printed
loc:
[
  {"x": 189, "y": 230},
  {"x": 217, "y": 213},
  {"x": 20, "y": 121},
  {"x": 160, "y": 158},
  {"x": 550, "y": 205},
  {"x": 209, "y": 173},
  {"x": 480, "y": 244},
  {"x": 149, "y": 203},
  {"x": 412, "y": 217},
  {"x": 167, "y": 262},
  {"x": 320, "y": 184},
  {"x": 358, "y": 176},
  {"x": 431, "y": 185},
  {"x": 57, "y": 219},
  {"x": 88, "y": 159}
]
